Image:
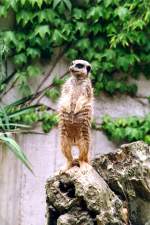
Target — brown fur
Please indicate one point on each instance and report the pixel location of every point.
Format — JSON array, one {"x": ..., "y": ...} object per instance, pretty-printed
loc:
[{"x": 75, "y": 110}]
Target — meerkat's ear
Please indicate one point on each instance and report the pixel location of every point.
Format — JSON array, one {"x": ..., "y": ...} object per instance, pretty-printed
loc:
[{"x": 88, "y": 69}]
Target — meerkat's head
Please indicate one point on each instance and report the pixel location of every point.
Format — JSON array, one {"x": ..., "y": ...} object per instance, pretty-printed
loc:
[{"x": 80, "y": 68}]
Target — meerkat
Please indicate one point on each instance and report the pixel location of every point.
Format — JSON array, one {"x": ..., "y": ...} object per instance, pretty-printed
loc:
[{"x": 75, "y": 111}]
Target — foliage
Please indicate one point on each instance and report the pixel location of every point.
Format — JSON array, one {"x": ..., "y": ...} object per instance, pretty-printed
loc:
[
  {"x": 8, "y": 127},
  {"x": 127, "y": 129},
  {"x": 54, "y": 92},
  {"x": 15, "y": 148},
  {"x": 112, "y": 35},
  {"x": 17, "y": 118}
]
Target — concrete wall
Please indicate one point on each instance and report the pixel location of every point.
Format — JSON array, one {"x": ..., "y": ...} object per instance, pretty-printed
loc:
[{"x": 22, "y": 195}]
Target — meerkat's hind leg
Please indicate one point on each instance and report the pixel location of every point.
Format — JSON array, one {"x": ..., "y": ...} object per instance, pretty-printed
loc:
[
  {"x": 66, "y": 149},
  {"x": 84, "y": 151}
]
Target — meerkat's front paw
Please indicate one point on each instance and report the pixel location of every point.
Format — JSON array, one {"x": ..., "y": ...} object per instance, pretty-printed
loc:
[
  {"x": 77, "y": 108},
  {"x": 66, "y": 108}
]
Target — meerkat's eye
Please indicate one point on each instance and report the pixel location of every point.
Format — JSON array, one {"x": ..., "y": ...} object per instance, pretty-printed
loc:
[
  {"x": 79, "y": 65},
  {"x": 88, "y": 69}
]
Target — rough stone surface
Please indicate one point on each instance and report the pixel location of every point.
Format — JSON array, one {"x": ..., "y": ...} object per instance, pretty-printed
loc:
[
  {"x": 127, "y": 173},
  {"x": 115, "y": 190},
  {"x": 81, "y": 196}
]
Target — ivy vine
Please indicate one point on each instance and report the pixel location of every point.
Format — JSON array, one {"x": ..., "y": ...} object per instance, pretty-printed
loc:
[
  {"x": 127, "y": 129},
  {"x": 112, "y": 34}
]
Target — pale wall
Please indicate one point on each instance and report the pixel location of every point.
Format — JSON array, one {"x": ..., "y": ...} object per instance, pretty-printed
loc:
[{"x": 22, "y": 195}]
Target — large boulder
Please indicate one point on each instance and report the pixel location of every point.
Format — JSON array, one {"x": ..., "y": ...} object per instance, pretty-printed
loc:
[{"x": 115, "y": 190}]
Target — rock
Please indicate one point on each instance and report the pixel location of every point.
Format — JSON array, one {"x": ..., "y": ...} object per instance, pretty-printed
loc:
[
  {"x": 75, "y": 216},
  {"x": 82, "y": 197},
  {"x": 115, "y": 190},
  {"x": 127, "y": 173}
]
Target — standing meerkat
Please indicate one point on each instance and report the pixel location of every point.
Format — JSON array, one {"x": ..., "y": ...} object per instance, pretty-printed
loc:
[{"x": 75, "y": 111}]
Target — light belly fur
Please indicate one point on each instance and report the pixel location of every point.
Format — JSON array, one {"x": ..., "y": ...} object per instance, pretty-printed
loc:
[{"x": 72, "y": 124}]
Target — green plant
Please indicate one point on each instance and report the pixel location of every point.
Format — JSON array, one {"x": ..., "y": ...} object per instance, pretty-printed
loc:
[
  {"x": 128, "y": 129},
  {"x": 112, "y": 35},
  {"x": 8, "y": 128},
  {"x": 17, "y": 118}
]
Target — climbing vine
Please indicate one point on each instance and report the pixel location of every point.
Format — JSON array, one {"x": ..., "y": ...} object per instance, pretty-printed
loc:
[
  {"x": 122, "y": 130},
  {"x": 112, "y": 34}
]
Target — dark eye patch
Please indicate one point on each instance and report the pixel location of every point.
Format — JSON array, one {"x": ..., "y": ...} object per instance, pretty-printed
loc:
[
  {"x": 79, "y": 66},
  {"x": 88, "y": 69}
]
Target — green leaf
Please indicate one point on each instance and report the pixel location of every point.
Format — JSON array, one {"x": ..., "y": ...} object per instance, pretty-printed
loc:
[
  {"x": 110, "y": 54},
  {"x": 33, "y": 53},
  {"x": 20, "y": 59},
  {"x": 68, "y": 30},
  {"x": 147, "y": 139},
  {"x": 111, "y": 86},
  {"x": 46, "y": 15},
  {"x": 82, "y": 27},
  {"x": 108, "y": 3},
  {"x": 39, "y": 3},
  {"x": 20, "y": 46},
  {"x": 4, "y": 118},
  {"x": 137, "y": 24},
  {"x": 72, "y": 54},
  {"x": 3, "y": 11},
  {"x": 121, "y": 122},
  {"x": 57, "y": 37},
  {"x": 23, "y": 111},
  {"x": 53, "y": 94},
  {"x": 96, "y": 28},
  {"x": 15, "y": 148},
  {"x": 95, "y": 13},
  {"x": 118, "y": 134},
  {"x": 16, "y": 125},
  {"x": 42, "y": 30},
  {"x": 24, "y": 17},
  {"x": 36, "y": 2},
  {"x": 33, "y": 70},
  {"x": 78, "y": 14},
  {"x": 9, "y": 37},
  {"x": 123, "y": 62},
  {"x": 55, "y": 3},
  {"x": 58, "y": 82},
  {"x": 83, "y": 44},
  {"x": 68, "y": 4},
  {"x": 23, "y": 2},
  {"x": 122, "y": 12}
]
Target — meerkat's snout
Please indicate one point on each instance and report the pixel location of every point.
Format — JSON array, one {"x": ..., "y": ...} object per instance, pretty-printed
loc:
[{"x": 80, "y": 67}]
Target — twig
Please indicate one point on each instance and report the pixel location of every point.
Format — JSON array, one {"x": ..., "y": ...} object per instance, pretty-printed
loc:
[
  {"x": 11, "y": 86},
  {"x": 97, "y": 126},
  {"x": 50, "y": 86},
  {"x": 49, "y": 108},
  {"x": 48, "y": 73},
  {"x": 140, "y": 98},
  {"x": 23, "y": 131},
  {"x": 37, "y": 94}
]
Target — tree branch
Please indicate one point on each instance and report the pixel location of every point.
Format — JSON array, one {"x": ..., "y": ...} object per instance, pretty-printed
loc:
[
  {"x": 42, "y": 91},
  {"x": 48, "y": 73}
]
